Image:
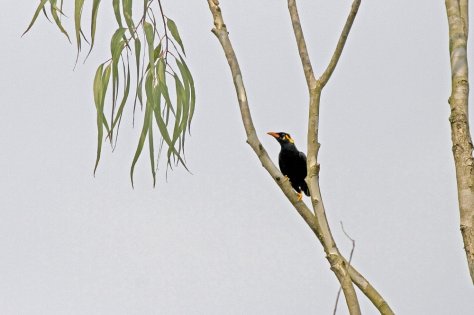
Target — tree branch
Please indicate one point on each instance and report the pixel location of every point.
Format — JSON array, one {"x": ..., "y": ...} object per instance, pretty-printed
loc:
[
  {"x": 460, "y": 134},
  {"x": 300, "y": 41},
  {"x": 340, "y": 44},
  {"x": 220, "y": 31},
  {"x": 464, "y": 10},
  {"x": 337, "y": 262},
  {"x": 370, "y": 292},
  {"x": 323, "y": 230}
]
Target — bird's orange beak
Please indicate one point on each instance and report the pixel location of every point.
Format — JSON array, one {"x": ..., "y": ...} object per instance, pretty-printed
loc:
[{"x": 273, "y": 134}]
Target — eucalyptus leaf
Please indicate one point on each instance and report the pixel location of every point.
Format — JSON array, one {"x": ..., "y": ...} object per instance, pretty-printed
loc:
[
  {"x": 35, "y": 15},
  {"x": 95, "y": 11},
  {"x": 78, "y": 5},
  {"x": 57, "y": 20},
  {"x": 127, "y": 13},
  {"x": 146, "y": 122},
  {"x": 174, "y": 32}
]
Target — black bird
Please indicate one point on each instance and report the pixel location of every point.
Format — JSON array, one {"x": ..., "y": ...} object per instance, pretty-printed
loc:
[{"x": 292, "y": 162}]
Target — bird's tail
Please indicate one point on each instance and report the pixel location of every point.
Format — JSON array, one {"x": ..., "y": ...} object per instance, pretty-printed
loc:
[{"x": 305, "y": 189}]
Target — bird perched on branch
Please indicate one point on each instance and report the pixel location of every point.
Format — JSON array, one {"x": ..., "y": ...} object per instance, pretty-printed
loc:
[{"x": 292, "y": 162}]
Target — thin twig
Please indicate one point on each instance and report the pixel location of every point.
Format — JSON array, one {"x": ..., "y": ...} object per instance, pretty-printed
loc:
[
  {"x": 350, "y": 259},
  {"x": 163, "y": 17}
]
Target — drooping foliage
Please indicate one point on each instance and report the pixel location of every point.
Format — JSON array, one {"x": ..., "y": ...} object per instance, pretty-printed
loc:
[{"x": 146, "y": 68}]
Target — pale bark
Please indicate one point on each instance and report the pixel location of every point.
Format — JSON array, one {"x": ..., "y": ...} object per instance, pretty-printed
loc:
[
  {"x": 460, "y": 134},
  {"x": 345, "y": 273},
  {"x": 337, "y": 262},
  {"x": 220, "y": 30}
]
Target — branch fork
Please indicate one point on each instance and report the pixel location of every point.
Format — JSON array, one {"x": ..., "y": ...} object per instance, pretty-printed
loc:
[{"x": 316, "y": 219}]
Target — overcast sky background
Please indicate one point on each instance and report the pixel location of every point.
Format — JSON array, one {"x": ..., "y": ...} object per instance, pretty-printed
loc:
[{"x": 225, "y": 240}]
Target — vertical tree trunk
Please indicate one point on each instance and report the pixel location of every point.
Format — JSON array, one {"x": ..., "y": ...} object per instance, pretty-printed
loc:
[{"x": 457, "y": 11}]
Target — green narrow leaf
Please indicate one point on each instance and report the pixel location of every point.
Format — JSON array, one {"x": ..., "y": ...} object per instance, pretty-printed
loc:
[
  {"x": 57, "y": 20},
  {"x": 46, "y": 14},
  {"x": 185, "y": 102},
  {"x": 127, "y": 13},
  {"x": 95, "y": 11},
  {"x": 161, "y": 68},
  {"x": 35, "y": 16},
  {"x": 141, "y": 141},
  {"x": 84, "y": 37},
  {"x": 179, "y": 109},
  {"x": 166, "y": 112},
  {"x": 124, "y": 99},
  {"x": 139, "y": 93},
  {"x": 105, "y": 84},
  {"x": 154, "y": 94},
  {"x": 138, "y": 47},
  {"x": 152, "y": 151},
  {"x": 185, "y": 122},
  {"x": 186, "y": 83},
  {"x": 150, "y": 38},
  {"x": 98, "y": 91},
  {"x": 118, "y": 16},
  {"x": 167, "y": 98},
  {"x": 174, "y": 32},
  {"x": 78, "y": 5},
  {"x": 163, "y": 86},
  {"x": 117, "y": 44},
  {"x": 101, "y": 82},
  {"x": 61, "y": 7},
  {"x": 146, "y": 123},
  {"x": 98, "y": 86},
  {"x": 193, "y": 91},
  {"x": 164, "y": 131},
  {"x": 156, "y": 54},
  {"x": 116, "y": 47}
]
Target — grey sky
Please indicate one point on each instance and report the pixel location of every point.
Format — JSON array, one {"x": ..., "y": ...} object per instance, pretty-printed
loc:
[{"x": 224, "y": 240}]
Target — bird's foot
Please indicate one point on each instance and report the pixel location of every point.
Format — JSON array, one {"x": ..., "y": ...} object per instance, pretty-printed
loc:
[{"x": 300, "y": 196}]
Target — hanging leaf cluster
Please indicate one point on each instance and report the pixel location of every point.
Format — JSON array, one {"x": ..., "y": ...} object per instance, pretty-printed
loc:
[{"x": 163, "y": 87}]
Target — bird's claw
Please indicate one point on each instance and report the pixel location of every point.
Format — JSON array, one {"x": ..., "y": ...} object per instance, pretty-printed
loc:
[{"x": 300, "y": 196}]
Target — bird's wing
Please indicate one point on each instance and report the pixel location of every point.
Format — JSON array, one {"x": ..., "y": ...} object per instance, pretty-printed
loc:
[
  {"x": 302, "y": 156},
  {"x": 285, "y": 167},
  {"x": 302, "y": 161}
]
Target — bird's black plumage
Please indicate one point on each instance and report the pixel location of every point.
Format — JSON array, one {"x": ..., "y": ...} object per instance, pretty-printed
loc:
[{"x": 292, "y": 162}]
